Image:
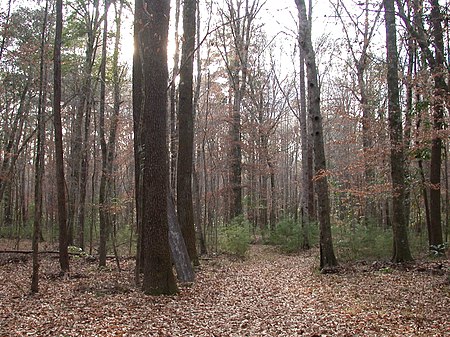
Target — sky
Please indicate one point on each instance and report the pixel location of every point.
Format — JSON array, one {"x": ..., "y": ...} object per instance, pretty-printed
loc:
[{"x": 278, "y": 16}]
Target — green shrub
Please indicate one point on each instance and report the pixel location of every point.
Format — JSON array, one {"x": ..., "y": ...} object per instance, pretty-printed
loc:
[
  {"x": 362, "y": 242},
  {"x": 235, "y": 238},
  {"x": 288, "y": 235}
]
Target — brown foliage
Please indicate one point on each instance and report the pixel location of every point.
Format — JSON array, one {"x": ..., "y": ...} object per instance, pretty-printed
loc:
[{"x": 267, "y": 295}]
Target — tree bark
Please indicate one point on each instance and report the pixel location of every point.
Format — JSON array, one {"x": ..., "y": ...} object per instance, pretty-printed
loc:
[
  {"x": 174, "y": 103},
  {"x": 105, "y": 219},
  {"x": 306, "y": 174},
  {"x": 327, "y": 257},
  {"x": 185, "y": 207},
  {"x": 153, "y": 37},
  {"x": 59, "y": 166},
  {"x": 39, "y": 159},
  {"x": 178, "y": 249},
  {"x": 138, "y": 100},
  {"x": 400, "y": 232},
  {"x": 440, "y": 92}
]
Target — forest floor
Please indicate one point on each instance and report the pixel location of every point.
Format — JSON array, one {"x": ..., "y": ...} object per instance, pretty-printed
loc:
[{"x": 268, "y": 294}]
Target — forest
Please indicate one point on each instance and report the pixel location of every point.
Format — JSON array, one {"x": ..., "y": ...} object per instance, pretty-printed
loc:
[{"x": 224, "y": 168}]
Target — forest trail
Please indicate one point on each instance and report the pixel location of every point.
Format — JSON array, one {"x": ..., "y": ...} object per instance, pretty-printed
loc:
[{"x": 266, "y": 295}]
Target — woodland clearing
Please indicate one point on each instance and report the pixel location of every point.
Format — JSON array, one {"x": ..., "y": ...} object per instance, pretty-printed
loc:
[{"x": 268, "y": 294}]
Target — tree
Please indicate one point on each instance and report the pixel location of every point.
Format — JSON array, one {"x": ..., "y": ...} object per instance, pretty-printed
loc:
[
  {"x": 86, "y": 19},
  {"x": 307, "y": 181},
  {"x": 152, "y": 30},
  {"x": 186, "y": 131},
  {"x": 358, "y": 43},
  {"x": 39, "y": 158},
  {"x": 401, "y": 246},
  {"x": 138, "y": 100},
  {"x": 440, "y": 93},
  {"x": 59, "y": 165},
  {"x": 327, "y": 257},
  {"x": 436, "y": 62},
  {"x": 105, "y": 185},
  {"x": 239, "y": 16}
]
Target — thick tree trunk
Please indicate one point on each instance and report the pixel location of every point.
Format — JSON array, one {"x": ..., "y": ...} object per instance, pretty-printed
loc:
[
  {"x": 400, "y": 232},
  {"x": 153, "y": 37},
  {"x": 327, "y": 257},
  {"x": 185, "y": 207}
]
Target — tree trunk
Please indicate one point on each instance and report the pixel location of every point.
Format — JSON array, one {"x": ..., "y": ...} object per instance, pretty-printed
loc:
[
  {"x": 200, "y": 223},
  {"x": 306, "y": 180},
  {"x": 59, "y": 165},
  {"x": 105, "y": 219},
  {"x": 186, "y": 131},
  {"x": 138, "y": 103},
  {"x": 438, "y": 70},
  {"x": 239, "y": 17},
  {"x": 39, "y": 161},
  {"x": 400, "y": 232},
  {"x": 153, "y": 37},
  {"x": 327, "y": 257},
  {"x": 440, "y": 92},
  {"x": 178, "y": 249},
  {"x": 174, "y": 103}
]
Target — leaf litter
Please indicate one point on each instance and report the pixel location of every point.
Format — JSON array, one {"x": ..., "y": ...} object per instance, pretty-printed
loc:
[{"x": 268, "y": 294}]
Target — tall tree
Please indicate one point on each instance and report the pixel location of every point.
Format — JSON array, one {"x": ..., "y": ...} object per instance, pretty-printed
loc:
[
  {"x": 39, "y": 158},
  {"x": 239, "y": 16},
  {"x": 401, "y": 246},
  {"x": 440, "y": 98},
  {"x": 138, "y": 104},
  {"x": 152, "y": 49},
  {"x": 307, "y": 181},
  {"x": 358, "y": 43},
  {"x": 186, "y": 131},
  {"x": 173, "y": 99},
  {"x": 105, "y": 219},
  {"x": 436, "y": 62},
  {"x": 59, "y": 160},
  {"x": 88, "y": 19},
  {"x": 327, "y": 257}
]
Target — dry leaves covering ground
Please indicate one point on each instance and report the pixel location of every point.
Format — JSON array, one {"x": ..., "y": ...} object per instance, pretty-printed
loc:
[{"x": 266, "y": 295}]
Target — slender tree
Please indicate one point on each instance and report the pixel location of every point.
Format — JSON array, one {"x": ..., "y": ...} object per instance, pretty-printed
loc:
[
  {"x": 59, "y": 161},
  {"x": 436, "y": 62},
  {"x": 39, "y": 158},
  {"x": 186, "y": 131},
  {"x": 440, "y": 98},
  {"x": 307, "y": 181},
  {"x": 239, "y": 16},
  {"x": 105, "y": 219},
  {"x": 401, "y": 246},
  {"x": 327, "y": 257},
  {"x": 138, "y": 100},
  {"x": 173, "y": 101}
]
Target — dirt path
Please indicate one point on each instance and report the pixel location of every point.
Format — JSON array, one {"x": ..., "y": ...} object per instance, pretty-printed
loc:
[{"x": 267, "y": 295}]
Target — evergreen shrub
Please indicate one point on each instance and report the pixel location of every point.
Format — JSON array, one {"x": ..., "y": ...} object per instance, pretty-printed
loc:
[{"x": 235, "y": 238}]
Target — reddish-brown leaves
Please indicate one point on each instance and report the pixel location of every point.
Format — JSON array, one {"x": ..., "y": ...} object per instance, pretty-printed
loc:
[{"x": 267, "y": 295}]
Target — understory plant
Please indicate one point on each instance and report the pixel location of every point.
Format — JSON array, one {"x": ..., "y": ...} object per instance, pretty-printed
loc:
[{"x": 235, "y": 238}]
